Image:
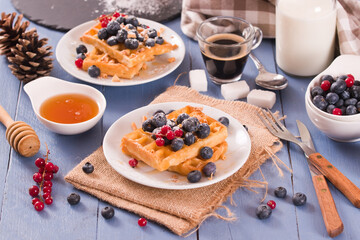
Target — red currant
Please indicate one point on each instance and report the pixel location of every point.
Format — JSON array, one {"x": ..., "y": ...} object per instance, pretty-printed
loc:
[
  {"x": 102, "y": 17},
  {"x": 37, "y": 177},
  {"x": 79, "y": 62},
  {"x": 271, "y": 204},
  {"x": 325, "y": 85},
  {"x": 170, "y": 135},
  {"x": 46, "y": 195},
  {"x": 47, "y": 190},
  {"x": 349, "y": 81},
  {"x": 133, "y": 162},
  {"x": 48, "y": 201},
  {"x": 165, "y": 129},
  {"x": 39, "y": 206},
  {"x": 337, "y": 111},
  {"x": 55, "y": 168},
  {"x": 104, "y": 23},
  {"x": 351, "y": 76},
  {"x": 178, "y": 133},
  {"x": 41, "y": 170},
  {"x": 49, "y": 167},
  {"x": 160, "y": 141},
  {"x": 142, "y": 222},
  {"x": 48, "y": 176},
  {"x": 40, "y": 162},
  {"x": 48, "y": 184},
  {"x": 34, "y": 191},
  {"x": 116, "y": 15},
  {"x": 35, "y": 200}
]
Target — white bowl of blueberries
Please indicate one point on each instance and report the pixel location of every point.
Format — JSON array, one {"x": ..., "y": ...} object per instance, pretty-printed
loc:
[{"x": 332, "y": 99}]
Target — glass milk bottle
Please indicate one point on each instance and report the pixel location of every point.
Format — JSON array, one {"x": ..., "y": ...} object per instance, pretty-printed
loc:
[{"x": 305, "y": 35}]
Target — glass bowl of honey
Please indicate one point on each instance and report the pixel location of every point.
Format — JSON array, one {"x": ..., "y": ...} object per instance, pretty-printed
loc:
[{"x": 64, "y": 107}]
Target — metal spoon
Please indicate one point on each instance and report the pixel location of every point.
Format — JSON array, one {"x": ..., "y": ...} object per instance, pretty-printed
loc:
[{"x": 266, "y": 79}]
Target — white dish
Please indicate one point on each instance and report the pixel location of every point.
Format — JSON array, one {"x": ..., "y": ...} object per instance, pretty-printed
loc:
[
  {"x": 45, "y": 87},
  {"x": 160, "y": 67},
  {"x": 238, "y": 150}
]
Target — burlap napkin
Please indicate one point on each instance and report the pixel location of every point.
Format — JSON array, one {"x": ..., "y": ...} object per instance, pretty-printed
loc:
[
  {"x": 261, "y": 13},
  {"x": 179, "y": 210}
]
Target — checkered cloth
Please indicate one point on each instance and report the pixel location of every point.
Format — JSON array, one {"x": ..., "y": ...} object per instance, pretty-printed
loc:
[{"x": 261, "y": 13}]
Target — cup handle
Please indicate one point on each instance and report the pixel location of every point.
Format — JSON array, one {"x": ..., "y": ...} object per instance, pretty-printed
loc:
[{"x": 258, "y": 38}]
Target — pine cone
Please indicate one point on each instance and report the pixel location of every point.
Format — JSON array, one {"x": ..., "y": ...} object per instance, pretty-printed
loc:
[
  {"x": 10, "y": 32},
  {"x": 30, "y": 58}
]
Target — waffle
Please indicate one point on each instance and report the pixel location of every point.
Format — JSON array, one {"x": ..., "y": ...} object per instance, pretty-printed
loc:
[
  {"x": 197, "y": 163},
  {"x": 109, "y": 65},
  {"x": 139, "y": 144},
  {"x": 129, "y": 58}
]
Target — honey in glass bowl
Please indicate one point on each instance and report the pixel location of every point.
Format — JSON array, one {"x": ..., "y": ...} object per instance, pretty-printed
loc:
[{"x": 69, "y": 108}]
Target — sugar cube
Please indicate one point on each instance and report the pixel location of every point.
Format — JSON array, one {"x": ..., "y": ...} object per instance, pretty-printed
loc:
[
  {"x": 235, "y": 90},
  {"x": 198, "y": 80},
  {"x": 261, "y": 98}
]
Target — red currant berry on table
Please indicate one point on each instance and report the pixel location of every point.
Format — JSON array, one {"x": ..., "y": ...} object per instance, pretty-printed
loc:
[
  {"x": 116, "y": 15},
  {"x": 46, "y": 195},
  {"x": 133, "y": 162},
  {"x": 142, "y": 222},
  {"x": 337, "y": 111},
  {"x": 79, "y": 62},
  {"x": 351, "y": 76},
  {"x": 325, "y": 85},
  {"x": 271, "y": 204},
  {"x": 48, "y": 184},
  {"x": 49, "y": 167},
  {"x": 170, "y": 135},
  {"x": 47, "y": 190},
  {"x": 48, "y": 176},
  {"x": 178, "y": 133},
  {"x": 39, "y": 206},
  {"x": 349, "y": 82},
  {"x": 37, "y": 177},
  {"x": 55, "y": 168},
  {"x": 40, "y": 162},
  {"x": 165, "y": 129},
  {"x": 48, "y": 201},
  {"x": 35, "y": 200},
  {"x": 34, "y": 191},
  {"x": 160, "y": 142},
  {"x": 41, "y": 170}
]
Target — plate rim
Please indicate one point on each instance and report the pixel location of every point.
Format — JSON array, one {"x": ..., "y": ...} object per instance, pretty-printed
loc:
[
  {"x": 176, "y": 187},
  {"x": 126, "y": 82}
]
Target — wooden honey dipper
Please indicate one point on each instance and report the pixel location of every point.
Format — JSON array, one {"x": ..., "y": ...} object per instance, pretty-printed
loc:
[{"x": 20, "y": 135}]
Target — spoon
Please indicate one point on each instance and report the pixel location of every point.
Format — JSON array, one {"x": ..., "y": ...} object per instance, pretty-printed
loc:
[
  {"x": 20, "y": 135},
  {"x": 266, "y": 79}
]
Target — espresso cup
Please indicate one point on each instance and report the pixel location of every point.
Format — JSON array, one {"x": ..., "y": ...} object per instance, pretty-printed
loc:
[{"x": 225, "y": 43}]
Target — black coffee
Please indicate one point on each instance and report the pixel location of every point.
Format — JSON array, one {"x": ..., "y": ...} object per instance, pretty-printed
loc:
[{"x": 223, "y": 61}]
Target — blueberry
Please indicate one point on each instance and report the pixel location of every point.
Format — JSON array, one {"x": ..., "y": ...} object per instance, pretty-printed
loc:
[
  {"x": 343, "y": 77},
  {"x": 357, "y": 83},
  {"x": 159, "y": 40},
  {"x": 181, "y": 118},
  {"x": 339, "y": 103},
  {"x": 280, "y": 192},
  {"x": 167, "y": 141},
  {"x": 107, "y": 212},
  {"x": 159, "y": 120},
  {"x": 246, "y": 128},
  {"x": 94, "y": 71},
  {"x": 150, "y": 42},
  {"x": 299, "y": 199},
  {"x": 316, "y": 91},
  {"x": 224, "y": 121},
  {"x": 121, "y": 36},
  {"x": 327, "y": 77},
  {"x": 189, "y": 138},
  {"x": 191, "y": 124},
  {"x": 355, "y": 91},
  {"x": 152, "y": 33},
  {"x": 209, "y": 169},
  {"x": 102, "y": 34},
  {"x": 88, "y": 168},
  {"x": 345, "y": 95},
  {"x": 350, "y": 110},
  {"x": 263, "y": 211},
  {"x": 131, "y": 43},
  {"x": 113, "y": 27},
  {"x": 147, "y": 125},
  {"x": 129, "y": 26},
  {"x": 171, "y": 123},
  {"x": 194, "y": 176},
  {"x": 330, "y": 108},
  {"x": 159, "y": 111},
  {"x": 332, "y": 98},
  {"x": 120, "y": 20},
  {"x": 320, "y": 102},
  {"x": 81, "y": 55},
  {"x": 155, "y": 132},
  {"x": 132, "y": 20},
  {"x": 144, "y": 26},
  {"x": 203, "y": 130},
  {"x": 81, "y": 49},
  {"x": 338, "y": 87},
  {"x": 358, "y": 106},
  {"x": 350, "y": 101},
  {"x": 73, "y": 198},
  {"x": 343, "y": 109},
  {"x": 177, "y": 144},
  {"x": 206, "y": 152},
  {"x": 140, "y": 38},
  {"x": 112, "y": 41}
]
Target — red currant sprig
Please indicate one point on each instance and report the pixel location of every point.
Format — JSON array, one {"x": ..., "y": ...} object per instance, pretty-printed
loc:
[{"x": 42, "y": 193}]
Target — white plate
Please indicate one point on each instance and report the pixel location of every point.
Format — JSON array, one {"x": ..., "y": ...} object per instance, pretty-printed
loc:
[
  {"x": 237, "y": 154},
  {"x": 160, "y": 67}
]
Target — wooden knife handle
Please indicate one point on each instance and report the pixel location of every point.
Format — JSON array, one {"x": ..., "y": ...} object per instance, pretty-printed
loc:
[
  {"x": 332, "y": 220},
  {"x": 348, "y": 188}
]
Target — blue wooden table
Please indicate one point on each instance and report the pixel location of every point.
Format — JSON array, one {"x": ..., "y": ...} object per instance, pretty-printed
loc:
[{"x": 19, "y": 220}]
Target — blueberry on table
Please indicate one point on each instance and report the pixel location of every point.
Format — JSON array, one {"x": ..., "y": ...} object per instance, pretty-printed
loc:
[
  {"x": 147, "y": 126},
  {"x": 338, "y": 87},
  {"x": 332, "y": 98},
  {"x": 317, "y": 90},
  {"x": 358, "y": 106},
  {"x": 345, "y": 94},
  {"x": 191, "y": 124},
  {"x": 320, "y": 102},
  {"x": 150, "y": 42},
  {"x": 73, "y": 198},
  {"x": 181, "y": 118},
  {"x": 152, "y": 33},
  {"x": 224, "y": 121},
  {"x": 189, "y": 138},
  {"x": 88, "y": 168},
  {"x": 206, "y": 152},
  {"x": 330, "y": 108},
  {"x": 120, "y": 20},
  {"x": 131, "y": 43},
  {"x": 102, "y": 34},
  {"x": 81, "y": 49},
  {"x": 94, "y": 71},
  {"x": 140, "y": 38},
  {"x": 159, "y": 111},
  {"x": 343, "y": 77},
  {"x": 107, "y": 212},
  {"x": 350, "y": 101},
  {"x": 121, "y": 36},
  {"x": 263, "y": 211},
  {"x": 355, "y": 91},
  {"x": 194, "y": 176},
  {"x": 299, "y": 199},
  {"x": 111, "y": 41},
  {"x": 113, "y": 27},
  {"x": 339, "y": 103},
  {"x": 132, "y": 20},
  {"x": 203, "y": 130},
  {"x": 351, "y": 110},
  {"x": 327, "y": 77},
  {"x": 159, "y": 40},
  {"x": 280, "y": 192},
  {"x": 209, "y": 169},
  {"x": 177, "y": 144},
  {"x": 356, "y": 83},
  {"x": 159, "y": 120}
]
